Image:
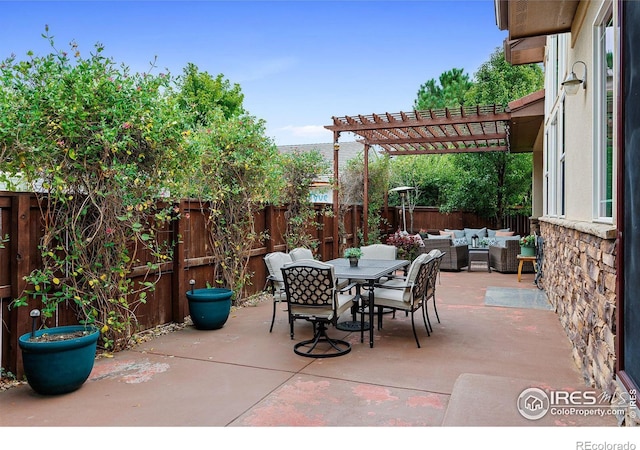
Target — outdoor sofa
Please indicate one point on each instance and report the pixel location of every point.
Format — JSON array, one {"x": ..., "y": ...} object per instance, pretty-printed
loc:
[
  {"x": 504, "y": 257},
  {"x": 455, "y": 256},
  {"x": 504, "y": 248}
]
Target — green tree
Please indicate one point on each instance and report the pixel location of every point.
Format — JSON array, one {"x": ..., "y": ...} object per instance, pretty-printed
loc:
[
  {"x": 498, "y": 82},
  {"x": 488, "y": 183},
  {"x": 352, "y": 192},
  {"x": 450, "y": 92},
  {"x": 299, "y": 171},
  {"x": 202, "y": 95},
  {"x": 429, "y": 174},
  {"x": 501, "y": 176},
  {"x": 232, "y": 179},
  {"x": 232, "y": 170}
]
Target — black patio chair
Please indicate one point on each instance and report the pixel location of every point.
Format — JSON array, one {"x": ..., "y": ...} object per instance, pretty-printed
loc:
[{"x": 312, "y": 295}]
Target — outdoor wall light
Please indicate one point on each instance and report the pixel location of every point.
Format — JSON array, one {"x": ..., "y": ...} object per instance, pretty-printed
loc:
[{"x": 572, "y": 83}]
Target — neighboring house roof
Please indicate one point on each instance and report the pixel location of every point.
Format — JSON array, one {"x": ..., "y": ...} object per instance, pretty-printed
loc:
[{"x": 348, "y": 151}]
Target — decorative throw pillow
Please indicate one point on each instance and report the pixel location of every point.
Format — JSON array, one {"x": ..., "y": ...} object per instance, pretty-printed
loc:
[
  {"x": 504, "y": 233},
  {"x": 493, "y": 233},
  {"x": 460, "y": 241},
  {"x": 501, "y": 241},
  {"x": 456, "y": 233},
  {"x": 491, "y": 241},
  {"x": 480, "y": 232}
]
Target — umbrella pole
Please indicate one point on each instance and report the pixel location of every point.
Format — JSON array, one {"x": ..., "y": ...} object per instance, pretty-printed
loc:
[{"x": 404, "y": 218}]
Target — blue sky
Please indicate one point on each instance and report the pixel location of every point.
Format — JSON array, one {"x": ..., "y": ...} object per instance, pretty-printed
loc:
[{"x": 298, "y": 62}]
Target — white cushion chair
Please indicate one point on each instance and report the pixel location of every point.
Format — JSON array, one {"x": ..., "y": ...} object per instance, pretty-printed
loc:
[
  {"x": 301, "y": 253},
  {"x": 407, "y": 293},
  {"x": 312, "y": 294},
  {"x": 379, "y": 251},
  {"x": 274, "y": 262}
]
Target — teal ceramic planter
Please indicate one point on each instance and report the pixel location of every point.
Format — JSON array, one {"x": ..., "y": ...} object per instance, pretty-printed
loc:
[
  {"x": 209, "y": 307},
  {"x": 62, "y": 366},
  {"x": 527, "y": 251}
]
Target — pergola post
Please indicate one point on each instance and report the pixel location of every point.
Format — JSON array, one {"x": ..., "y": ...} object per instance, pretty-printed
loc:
[
  {"x": 365, "y": 197},
  {"x": 336, "y": 186}
]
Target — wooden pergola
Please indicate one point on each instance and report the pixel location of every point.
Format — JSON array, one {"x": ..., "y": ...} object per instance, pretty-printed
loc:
[{"x": 436, "y": 131}]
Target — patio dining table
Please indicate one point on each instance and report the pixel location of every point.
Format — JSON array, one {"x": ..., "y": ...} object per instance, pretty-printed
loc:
[{"x": 369, "y": 271}]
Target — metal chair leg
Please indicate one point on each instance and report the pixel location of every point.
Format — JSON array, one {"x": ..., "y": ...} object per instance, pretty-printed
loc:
[
  {"x": 427, "y": 321},
  {"x": 413, "y": 326},
  {"x": 273, "y": 317},
  {"x": 435, "y": 308}
]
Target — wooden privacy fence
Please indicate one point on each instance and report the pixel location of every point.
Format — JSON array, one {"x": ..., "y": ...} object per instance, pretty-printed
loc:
[{"x": 19, "y": 255}]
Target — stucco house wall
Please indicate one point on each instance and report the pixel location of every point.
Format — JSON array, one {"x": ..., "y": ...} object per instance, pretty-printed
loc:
[{"x": 580, "y": 249}]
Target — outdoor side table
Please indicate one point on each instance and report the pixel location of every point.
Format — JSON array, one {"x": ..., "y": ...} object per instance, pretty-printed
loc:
[
  {"x": 479, "y": 255},
  {"x": 522, "y": 260}
]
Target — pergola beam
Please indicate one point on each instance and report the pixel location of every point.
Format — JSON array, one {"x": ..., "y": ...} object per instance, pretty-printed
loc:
[
  {"x": 448, "y": 150},
  {"x": 447, "y": 139}
]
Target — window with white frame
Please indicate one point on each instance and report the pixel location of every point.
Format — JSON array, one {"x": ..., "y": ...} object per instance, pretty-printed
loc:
[
  {"x": 603, "y": 116},
  {"x": 555, "y": 169},
  {"x": 561, "y": 182},
  {"x": 550, "y": 168}
]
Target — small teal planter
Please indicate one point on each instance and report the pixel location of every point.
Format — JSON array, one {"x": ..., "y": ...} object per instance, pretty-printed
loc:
[
  {"x": 59, "y": 367},
  {"x": 209, "y": 307},
  {"x": 527, "y": 251}
]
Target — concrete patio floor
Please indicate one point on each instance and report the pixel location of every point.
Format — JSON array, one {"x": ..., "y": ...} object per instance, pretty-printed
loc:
[{"x": 469, "y": 372}]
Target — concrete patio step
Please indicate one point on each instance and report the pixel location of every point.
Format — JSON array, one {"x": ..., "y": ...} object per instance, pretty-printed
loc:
[{"x": 488, "y": 400}]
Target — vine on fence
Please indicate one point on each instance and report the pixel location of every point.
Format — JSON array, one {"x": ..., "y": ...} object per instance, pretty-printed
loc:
[{"x": 94, "y": 142}]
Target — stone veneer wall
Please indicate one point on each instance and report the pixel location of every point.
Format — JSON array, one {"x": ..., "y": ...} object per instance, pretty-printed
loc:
[{"x": 580, "y": 282}]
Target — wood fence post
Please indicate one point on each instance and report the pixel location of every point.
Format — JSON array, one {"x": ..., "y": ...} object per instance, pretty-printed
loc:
[
  {"x": 23, "y": 237},
  {"x": 269, "y": 217},
  {"x": 178, "y": 282},
  {"x": 319, "y": 218}
]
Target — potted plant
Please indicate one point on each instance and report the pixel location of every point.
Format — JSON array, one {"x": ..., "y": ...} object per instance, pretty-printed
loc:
[
  {"x": 209, "y": 307},
  {"x": 353, "y": 254},
  {"x": 409, "y": 246},
  {"x": 58, "y": 360},
  {"x": 528, "y": 245},
  {"x": 95, "y": 144}
]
